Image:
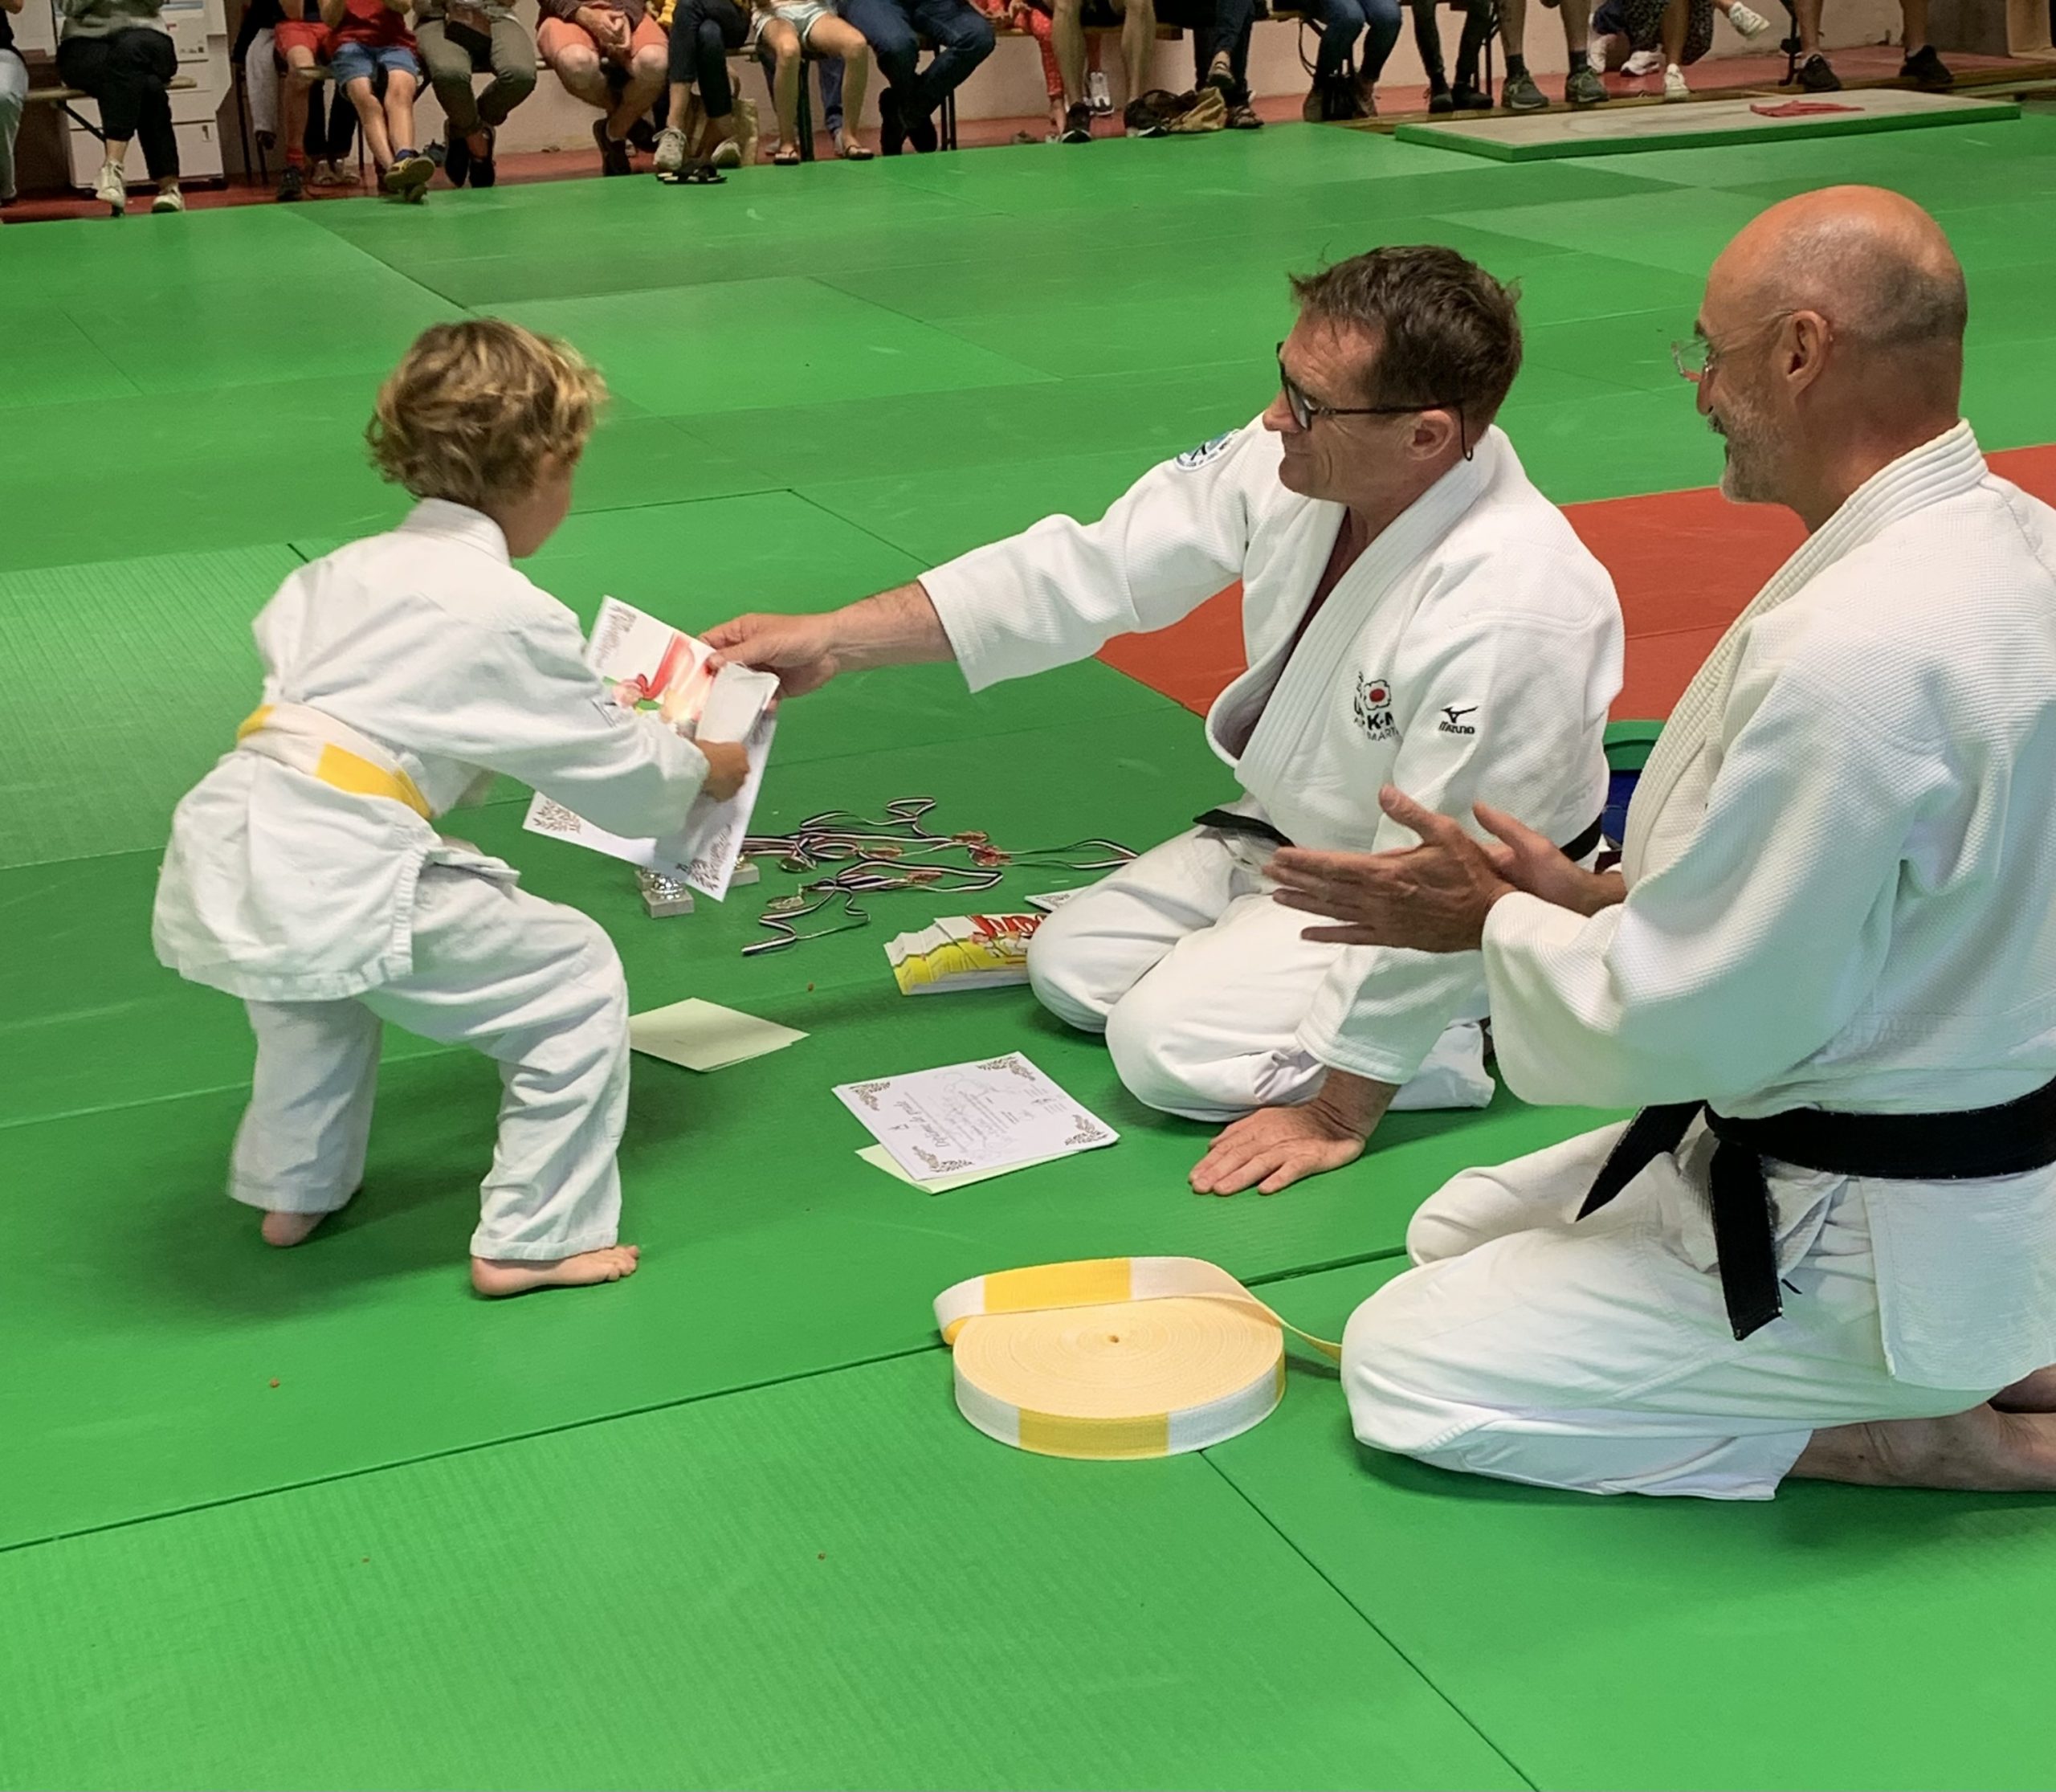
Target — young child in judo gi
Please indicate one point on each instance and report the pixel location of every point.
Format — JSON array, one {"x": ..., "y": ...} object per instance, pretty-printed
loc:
[{"x": 305, "y": 875}]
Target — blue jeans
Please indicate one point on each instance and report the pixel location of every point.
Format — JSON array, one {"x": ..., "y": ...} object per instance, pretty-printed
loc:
[
  {"x": 1341, "y": 22},
  {"x": 14, "y": 96},
  {"x": 893, "y": 28}
]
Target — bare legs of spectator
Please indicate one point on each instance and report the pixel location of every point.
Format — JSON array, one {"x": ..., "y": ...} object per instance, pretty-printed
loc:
[
  {"x": 388, "y": 123},
  {"x": 782, "y": 41},
  {"x": 839, "y": 39},
  {"x": 294, "y": 93},
  {"x": 703, "y": 33},
  {"x": 584, "y": 73}
]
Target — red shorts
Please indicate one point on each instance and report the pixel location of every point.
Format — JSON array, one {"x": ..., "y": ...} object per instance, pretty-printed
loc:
[{"x": 294, "y": 34}]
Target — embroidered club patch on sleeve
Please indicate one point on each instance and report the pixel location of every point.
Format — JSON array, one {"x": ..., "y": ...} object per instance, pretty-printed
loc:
[{"x": 1198, "y": 457}]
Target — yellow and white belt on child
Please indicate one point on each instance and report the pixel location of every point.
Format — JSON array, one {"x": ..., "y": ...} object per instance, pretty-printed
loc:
[
  {"x": 1115, "y": 1357},
  {"x": 312, "y": 742}
]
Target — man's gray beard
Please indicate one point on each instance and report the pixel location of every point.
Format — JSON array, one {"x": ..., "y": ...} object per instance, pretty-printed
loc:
[{"x": 1745, "y": 478}]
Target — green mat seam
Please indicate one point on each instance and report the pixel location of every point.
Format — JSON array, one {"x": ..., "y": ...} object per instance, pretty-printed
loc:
[
  {"x": 1462, "y": 1716},
  {"x": 470, "y": 1449}
]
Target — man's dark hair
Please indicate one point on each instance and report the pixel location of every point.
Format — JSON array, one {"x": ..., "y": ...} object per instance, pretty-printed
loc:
[{"x": 1448, "y": 332}]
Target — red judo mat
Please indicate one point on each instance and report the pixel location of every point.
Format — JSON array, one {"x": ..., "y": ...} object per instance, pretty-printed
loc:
[{"x": 1685, "y": 564}]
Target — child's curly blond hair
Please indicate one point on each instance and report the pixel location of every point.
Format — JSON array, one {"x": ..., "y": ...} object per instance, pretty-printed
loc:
[{"x": 475, "y": 408}]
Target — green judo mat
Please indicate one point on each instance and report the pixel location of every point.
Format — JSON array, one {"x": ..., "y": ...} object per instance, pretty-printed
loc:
[{"x": 321, "y": 1518}]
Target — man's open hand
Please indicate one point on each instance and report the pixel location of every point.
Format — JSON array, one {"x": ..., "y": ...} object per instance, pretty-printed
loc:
[
  {"x": 1273, "y": 1147},
  {"x": 800, "y": 649},
  {"x": 1430, "y": 898}
]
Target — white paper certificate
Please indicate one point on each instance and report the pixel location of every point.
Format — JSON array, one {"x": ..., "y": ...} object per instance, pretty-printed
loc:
[
  {"x": 970, "y": 1117},
  {"x": 649, "y": 665}
]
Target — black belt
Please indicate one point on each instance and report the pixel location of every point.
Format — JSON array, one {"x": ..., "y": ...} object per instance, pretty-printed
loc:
[
  {"x": 1226, "y": 821},
  {"x": 2005, "y": 1140}
]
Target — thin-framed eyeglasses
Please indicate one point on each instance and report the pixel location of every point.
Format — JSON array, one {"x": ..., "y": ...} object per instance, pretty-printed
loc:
[
  {"x": 1698, "y": 360},
  {"x": 1306, "y": 410}
]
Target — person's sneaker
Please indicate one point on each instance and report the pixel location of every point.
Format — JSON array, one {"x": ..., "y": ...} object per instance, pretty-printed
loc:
[
  {"x": 921, "y": 133},
  {"x": 170, "y": 199},
  {"x": 1441, "y": 100},
  {"x": 1817, "y": 77},
  {"x": 1926, "y": 69},
  {"x": 1099, "y": 95},
  {"x": 891, "y": 133},
  {"x": 1643, "y": 62},
  {"x": 1674, "y": 84},
  {"x": 1519, "y": 93},
  {"x": 410, "y": 172},
  {"x": 1077, "y": 124},
  {"x": 1582, "y": 87},
  {"x": 1747, "y": 20},
  {"x": 1244, "y": 118},
  {"x": 485, "y": 171},
  {"x": 1141, "y": 119},
  {"x": 613, "y": 153},
  {"x": 670, "y": 152},
  {"x": 1469, "y": 99},
  {"x": 457, "y": 159},
  {"x": 111, "y": 188},
  {"x": 291, "y": 185},
  {"x": 727, "y": 154}
]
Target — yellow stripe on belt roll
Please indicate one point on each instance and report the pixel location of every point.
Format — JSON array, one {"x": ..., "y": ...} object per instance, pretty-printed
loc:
[
  {"x": 1113, "y": 1358},
  {"x": 333, "y": 763}
]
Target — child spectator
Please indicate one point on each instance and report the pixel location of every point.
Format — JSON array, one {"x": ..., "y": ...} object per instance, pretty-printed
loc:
[
  {"x": 791, "y": 30},
  {"x": 305, "y": 875},
  {"x": 371, "y": 56},
  {"x": 612, "y": 55}
]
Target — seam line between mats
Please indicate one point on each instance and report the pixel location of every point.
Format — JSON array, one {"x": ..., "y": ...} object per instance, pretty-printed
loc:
[
  {"x": 462, "y": 1449},
  {"x": 608, "y": 1418},
  {"x": 1370, "y": 1623}
]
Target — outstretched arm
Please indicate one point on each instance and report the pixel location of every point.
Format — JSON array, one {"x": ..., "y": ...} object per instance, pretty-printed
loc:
[{"x": 897, "y": 627}]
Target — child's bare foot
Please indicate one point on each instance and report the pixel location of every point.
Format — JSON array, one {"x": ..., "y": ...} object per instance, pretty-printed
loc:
[
  {"x": 492, "y": 1276},
  {"x": 286, "y": 1230}
]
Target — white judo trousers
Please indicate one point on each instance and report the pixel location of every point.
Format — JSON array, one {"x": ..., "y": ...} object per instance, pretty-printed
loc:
[
  {"x": 1841, "y": 896},
  {"x": 1596, "y": 1355},
  {"x": 537, "y": 987},
  {"x": 1202, "y": 984}
]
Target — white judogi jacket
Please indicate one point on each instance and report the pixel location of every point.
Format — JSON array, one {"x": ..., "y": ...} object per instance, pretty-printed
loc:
[
  {"x": 1842, "y": 892},
  {"x": 441, "y": 662},
  {"x": 1469, "y": 654}
]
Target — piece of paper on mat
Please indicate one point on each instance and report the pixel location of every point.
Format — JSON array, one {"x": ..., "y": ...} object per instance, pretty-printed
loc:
[
  {"x": 651, "y": 667},
  {"x": 703, "y": 1035},
  {"x": 999, "y": 1113},
  {"x": 879, "y": 1158}
]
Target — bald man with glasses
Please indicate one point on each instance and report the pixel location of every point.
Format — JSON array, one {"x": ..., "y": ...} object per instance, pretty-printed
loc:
[
  {"x": 1825, "y": 973},
  {"x": 1412, "y": 609}
]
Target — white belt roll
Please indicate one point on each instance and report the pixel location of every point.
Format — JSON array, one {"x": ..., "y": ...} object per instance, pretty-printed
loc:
[{"x": 1115, "y": 1357}]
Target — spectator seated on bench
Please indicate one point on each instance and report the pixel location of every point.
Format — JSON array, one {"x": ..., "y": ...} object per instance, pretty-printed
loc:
[
  {"x": 1479, "y": 21},
  {"x": 1032, "y": 18},
  {"x": 327, "y": 141},
  {"x": 1137, "y": 19},
  {"x": 787, "y": 31},
  {"x": 121, "y": 53},
  {"x": 14, "y": 96},
  {"x": 371, "y": 56},
  {"x": 614, "y": 56},
  {"x": 703, "y": 35},
  {"x": 962, "y": 37},
  {"x": 456, "y": 39},
  {"x": 1221, "y": 31}
]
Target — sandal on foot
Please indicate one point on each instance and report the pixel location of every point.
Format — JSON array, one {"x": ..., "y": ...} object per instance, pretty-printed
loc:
[{"x": 786, "y": 156}]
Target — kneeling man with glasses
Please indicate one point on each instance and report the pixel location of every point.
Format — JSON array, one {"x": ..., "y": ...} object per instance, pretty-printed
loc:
[{"x": 1414, "y": 612}]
